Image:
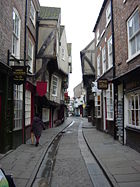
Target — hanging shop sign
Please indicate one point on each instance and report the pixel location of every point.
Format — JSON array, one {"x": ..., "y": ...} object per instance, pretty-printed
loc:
[
  {"x": 41, "y": 88},
  {"x": 102, "y": 84},
  {"x": 19, "y": 74}
]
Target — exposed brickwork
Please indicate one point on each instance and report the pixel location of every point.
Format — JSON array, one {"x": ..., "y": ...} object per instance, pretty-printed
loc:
[
  {"x": 122, "y": 11},
  {"x": 6, "y": 26},
  {"x": 105, "y": 32}
]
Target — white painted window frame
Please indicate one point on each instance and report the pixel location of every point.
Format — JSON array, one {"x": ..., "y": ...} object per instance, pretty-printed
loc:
[
  {"x": 32, "y": 13},
  {"x": 30, "y": 55},
  {"x": 133, "y": 110},
  {"x": 16, "y": 34},
  {"x": 54, "y": 85},
  {"x": 108, "y": 14},
  {"x": 110, "y": 54},
  {"x": 98, "y": 105},
  {"x": 18, "y": 106},
  {"x": 27, "y": 107},
  {"x": 104, "y": 59},
  {"x": 98, "y": 66},
  {"x": 110, "y": 101},
  {"x": 134, "y": 36}
]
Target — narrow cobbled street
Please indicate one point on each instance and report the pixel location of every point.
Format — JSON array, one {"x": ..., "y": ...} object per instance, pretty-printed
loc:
[
  {"x": 70, "y": 168},
  {"x": 69, "y": 161}
]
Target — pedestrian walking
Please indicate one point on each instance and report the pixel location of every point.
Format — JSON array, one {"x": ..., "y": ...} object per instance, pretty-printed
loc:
[{"x": 37, "y": 127}]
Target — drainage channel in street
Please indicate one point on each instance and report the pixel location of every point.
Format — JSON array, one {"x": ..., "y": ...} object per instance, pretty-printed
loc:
[
  {"x": 43, "y": 177},
  {"x": 96, "y": 174}
]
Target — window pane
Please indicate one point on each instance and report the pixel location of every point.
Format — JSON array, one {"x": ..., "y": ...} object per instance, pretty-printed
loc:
[
  {"x": 138, "y": 41},
  {"x": 133, "y": 46},
  {"x": 136, "y": 22}
]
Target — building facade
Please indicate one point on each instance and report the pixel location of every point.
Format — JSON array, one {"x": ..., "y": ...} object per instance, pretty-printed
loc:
[
  {"x": 88, "y": 75},
  {"x": 127, "y": 70},
  {"x": 103, "y": 30},
  {"x": 43, "y": 81}
]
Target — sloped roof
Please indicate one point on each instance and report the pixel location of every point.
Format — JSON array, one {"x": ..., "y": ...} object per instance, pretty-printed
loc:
[{"x": 51, "y": 13}]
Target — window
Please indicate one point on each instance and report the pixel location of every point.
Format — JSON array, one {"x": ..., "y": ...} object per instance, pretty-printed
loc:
[
  {"x": 97, "y": 37},
  {"x": 134, "y": 110},
  {"x": 27, "y": 107},
  {"x": 30, "y": 56},
  {"x": 133, "y": 26},
  {"x": 16, "y": 34},
  {"x": 63, "y": 53},
  {"x": 103, "y": 60},
  {"x": 18, "y": 106},
  {"x": 98, "y": 66},
  {"x": 98, "y": 105},
  {"x": 108, "y": 14},
  {"x": 110, "y": 57},
  {"x": 45, "y": 114},
  {"x": 54, "y": 85},
  {"x": 32, "y": 13},
  {"x": 110, "y": 104}
]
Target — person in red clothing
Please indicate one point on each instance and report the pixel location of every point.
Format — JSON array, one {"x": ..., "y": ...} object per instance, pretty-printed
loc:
[{"x": 37, "y": 127}]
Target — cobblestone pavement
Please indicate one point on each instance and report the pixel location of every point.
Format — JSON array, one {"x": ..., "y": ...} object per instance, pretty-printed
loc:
[
  {"x": 70, "y": 169},
  {"x": 121, "y": 164},
  {"x": 23, "y": 162}
]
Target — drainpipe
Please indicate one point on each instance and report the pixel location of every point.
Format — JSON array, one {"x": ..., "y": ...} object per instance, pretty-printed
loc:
[
  {"x": 36, "y": 43},
  {"x": 25, "y": 41},
  {"x": 113, "y": 54}
]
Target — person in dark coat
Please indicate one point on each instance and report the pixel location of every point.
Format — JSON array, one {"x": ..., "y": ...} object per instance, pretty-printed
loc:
[{"x": 37, "y": 127}]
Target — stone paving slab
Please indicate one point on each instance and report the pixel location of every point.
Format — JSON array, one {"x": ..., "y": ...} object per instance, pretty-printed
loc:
[{"x": 121, "y": 163}]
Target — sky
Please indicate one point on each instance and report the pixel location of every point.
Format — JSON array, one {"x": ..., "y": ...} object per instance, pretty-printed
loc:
[{"x": 79, "y": 18}]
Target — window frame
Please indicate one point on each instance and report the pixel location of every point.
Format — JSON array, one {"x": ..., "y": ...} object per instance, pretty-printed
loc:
[
  {"x": 97, "y": 37},
  {"x": 109, "y": 101},
  {"x": 16, "y": 33},
  {"x": 132, "y": 110},
  {"x": 134, "y": 36},
  {"x": 108, "y": 14},
  {"x": 54, "y": 87},
  {"x": 104, "y": 59},
  {"x": 32, "y": 13},
  {"x": 27, "y": 107},
  {"x": 98, "y": 66},
  {"x": 18, "y": 106},
  {"x": 98, "y": 109},
  {"x": 110, "y": 53},
  {"x": 30, "y": 55}
]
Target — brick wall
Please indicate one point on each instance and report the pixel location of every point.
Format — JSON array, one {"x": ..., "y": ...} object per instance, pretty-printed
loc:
[
  {"x": 105, "y": 33},
  {"x": 6, "y": 26},
  {"x": 122, "y": 11}
]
